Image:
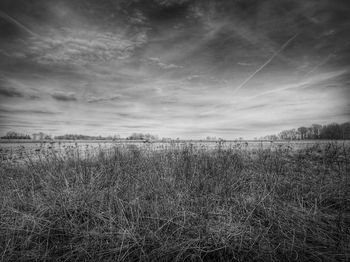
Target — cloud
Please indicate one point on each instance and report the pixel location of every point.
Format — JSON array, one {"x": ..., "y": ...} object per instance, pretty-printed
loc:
[
  {"x": 308, "y": 82},
  {"x": 205, "y": 80},
  {"x": 60, "y": 96},
  {"x": 252, "y": 107},
  {"x": 81, "y": 47},
  {"x": 156, "y": 61},
  {"x": 104, "y": 99},
  {"x": 10, "y": 92},
  {"x": 246, "y": 64},
  {"x": 27, "y": 111},
  {"x": 10, "y": 87}
]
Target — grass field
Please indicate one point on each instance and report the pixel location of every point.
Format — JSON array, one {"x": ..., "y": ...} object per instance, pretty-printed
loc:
[{"x": 129, "y": 203}]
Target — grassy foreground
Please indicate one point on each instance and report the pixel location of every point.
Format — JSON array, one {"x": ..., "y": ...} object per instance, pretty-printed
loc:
[{"x": 189, "y": 204}]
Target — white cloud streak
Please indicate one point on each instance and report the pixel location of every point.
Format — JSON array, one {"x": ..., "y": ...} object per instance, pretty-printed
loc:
[
  {"x": 266, "y": 63},
  {"x": 17, "y": 23}
]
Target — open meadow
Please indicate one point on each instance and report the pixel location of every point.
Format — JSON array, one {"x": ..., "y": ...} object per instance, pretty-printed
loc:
[{"x": 175, "y": 202}]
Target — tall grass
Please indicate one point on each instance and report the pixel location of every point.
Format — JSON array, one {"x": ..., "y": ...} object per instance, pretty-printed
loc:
[{"x": 179, "y": 204}]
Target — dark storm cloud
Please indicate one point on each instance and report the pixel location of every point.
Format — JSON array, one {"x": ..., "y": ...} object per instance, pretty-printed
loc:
[
  {"x": 60, "y": 96},
  {"x": 10, "y": 92},
  {"x": 13, "y": 89}
]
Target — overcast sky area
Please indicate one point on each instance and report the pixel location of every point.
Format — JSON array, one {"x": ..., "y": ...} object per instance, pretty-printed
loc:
[{"x": 174, "y": 68}]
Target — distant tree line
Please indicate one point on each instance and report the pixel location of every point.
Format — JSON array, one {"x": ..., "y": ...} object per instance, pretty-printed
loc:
[
  {"x": 316, "y": 131},
  {"x": 84, "y": 137},
  {"x": 15, "y": 135},
  {"x": 141, "y": 136},
  {"x": 134, "y": 136},
  {"x": 41, "y": 136}
]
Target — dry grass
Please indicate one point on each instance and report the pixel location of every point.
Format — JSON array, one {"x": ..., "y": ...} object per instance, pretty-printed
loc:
[{"x": 180, "y": 204}]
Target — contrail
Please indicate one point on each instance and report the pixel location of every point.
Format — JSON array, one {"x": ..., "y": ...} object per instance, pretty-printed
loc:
[
  {"x": 17, "y": 23},
  {"x": 266, "y": 63}
]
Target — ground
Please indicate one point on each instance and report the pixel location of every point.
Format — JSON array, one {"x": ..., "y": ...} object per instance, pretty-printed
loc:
[{"x": 178, "y": 203}]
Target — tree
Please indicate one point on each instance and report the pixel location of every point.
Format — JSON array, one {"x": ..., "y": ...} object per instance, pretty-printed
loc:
[
  {"x": 309, "y": 133},
  {"x": 332, "y": 131},
  {"x": 302, "y": 130},
  {"x": 290, "y": 134},
  {"x": 141, "y": 136},
  {"x": 316, "y": 131},
  {"x": 15, "y": 135},
  {"x": 345, "y": 129}
]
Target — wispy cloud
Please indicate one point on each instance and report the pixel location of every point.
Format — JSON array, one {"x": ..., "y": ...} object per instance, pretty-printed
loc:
[
  {"x": 205, "y": 80},
  {"x": 308, "y": 82},
  {"x": 27, "y": 111},
  {"x": 156, "y": 61},
  {"x": 81, "y": 47},
  {"x": 245, "y": 64},
  {"x": 104, "y": 99}
]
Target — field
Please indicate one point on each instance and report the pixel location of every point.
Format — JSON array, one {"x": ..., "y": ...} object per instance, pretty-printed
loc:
[
  {"x": 19, "y": 151},
  {"x": 236, "y": 201}
]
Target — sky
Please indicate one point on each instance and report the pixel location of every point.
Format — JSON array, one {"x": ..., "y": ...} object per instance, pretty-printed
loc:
[{"x": 173, "y": 68}]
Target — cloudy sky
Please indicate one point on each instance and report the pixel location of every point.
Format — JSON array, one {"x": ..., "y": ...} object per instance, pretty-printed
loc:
[{"x": 175, "y": 68}]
